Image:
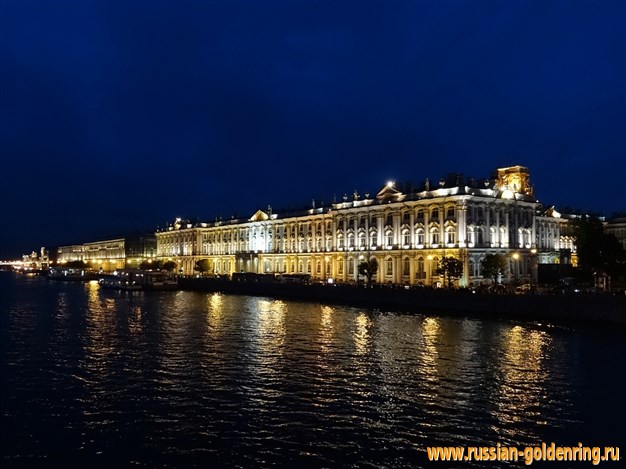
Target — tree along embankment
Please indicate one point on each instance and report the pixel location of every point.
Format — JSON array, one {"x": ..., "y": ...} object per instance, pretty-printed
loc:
[{"x": 558, "y": 308}]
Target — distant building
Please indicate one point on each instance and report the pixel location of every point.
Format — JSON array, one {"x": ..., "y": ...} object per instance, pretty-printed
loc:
[
  {"x": 111, "y": 254},
  {"x": 34, "y": 261},
  {"x": 617, "y": 227},
  {"x": 407, "y": 229},
  {"x": 72, "y": 252}
]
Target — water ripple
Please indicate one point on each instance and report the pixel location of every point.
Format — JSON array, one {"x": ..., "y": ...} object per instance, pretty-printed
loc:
[{"x": 180, "y": 378}]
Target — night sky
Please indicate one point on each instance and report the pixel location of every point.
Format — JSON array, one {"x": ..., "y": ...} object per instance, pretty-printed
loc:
[{"x": 118, "y": 116}]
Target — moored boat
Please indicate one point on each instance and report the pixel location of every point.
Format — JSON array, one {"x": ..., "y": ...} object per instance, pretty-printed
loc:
[
  {"x": 157, "y": 280},
  {"x": 119, "y": 282},
  {"x": 66, "y": 274},
  {"x": 140, "y": 280}
]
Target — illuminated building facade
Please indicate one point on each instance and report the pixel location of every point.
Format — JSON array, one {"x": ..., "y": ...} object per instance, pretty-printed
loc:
[
  {"x": 34, "y": 261},
  {"x": 70, "y": 253},
  {"x": 407, "y": 229},
  {"x": 111, "y": 254}
]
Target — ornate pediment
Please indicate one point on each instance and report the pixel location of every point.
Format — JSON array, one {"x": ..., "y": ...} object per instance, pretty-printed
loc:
[
  {"x": 551, "y": 212},
  {"x": 388, "y": 191},
  {"x": 259, "y": 215}
]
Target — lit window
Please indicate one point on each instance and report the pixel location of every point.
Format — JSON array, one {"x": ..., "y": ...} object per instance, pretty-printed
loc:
[
  {"x": 406, "y": 238},
  {"x": 450, "y": 236},
  {"x": 420, "y": 236},
  {"x": 434, "y": 236}
]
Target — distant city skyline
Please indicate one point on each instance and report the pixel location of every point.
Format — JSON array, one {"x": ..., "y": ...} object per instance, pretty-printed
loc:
[{"x": 119, "y": 117}]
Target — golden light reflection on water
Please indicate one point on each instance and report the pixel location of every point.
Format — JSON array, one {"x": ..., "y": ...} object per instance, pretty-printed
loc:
[
  {"x": 361, "y": 333},
  {"x": 431, "y": 330},
  {"x": 271, "y": 329},
  {"x": 135, "y": 320},
  {"x": 215, "y": 304},
  {"x": 326, "y": 329},
  {"x": 522, "y": 391},
  {"x": 100, "y": 318}
]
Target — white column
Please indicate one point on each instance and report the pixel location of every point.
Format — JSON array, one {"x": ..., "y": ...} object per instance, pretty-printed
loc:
[{"x": 462, "y": 225}]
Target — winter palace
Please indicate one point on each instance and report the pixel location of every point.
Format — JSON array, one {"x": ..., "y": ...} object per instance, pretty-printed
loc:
[{"x": 408, "y": 229}]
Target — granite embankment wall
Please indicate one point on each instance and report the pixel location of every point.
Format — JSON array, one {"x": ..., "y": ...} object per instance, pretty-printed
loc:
[{"x": 556, "y": 308}]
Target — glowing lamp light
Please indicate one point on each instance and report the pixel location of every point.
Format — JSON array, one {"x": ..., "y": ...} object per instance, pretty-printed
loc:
[
  {"x": 390, "y": 183},
  {"x": 508, "y": 194},
  {"x": 515, "y": 256}
]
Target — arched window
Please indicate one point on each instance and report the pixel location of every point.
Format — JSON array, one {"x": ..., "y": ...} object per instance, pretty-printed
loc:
[
  {"x": 389, "y": 237},
  {"x": 420, "y": 273},
  {"x": 406, "y": 267},
  {"x": 434, "y": 235},
  {"x": 420, "y": 236},
  {"x": 406, "y": 237},
  {"x": 373, "y": 239},
  {"x": 350, "y": 240},
  {"x": 471, "y": 236},
  {"x": 362, "y": 240},
  {"x": 389, "y": 271},
  {"x": 450, "y": 235}
]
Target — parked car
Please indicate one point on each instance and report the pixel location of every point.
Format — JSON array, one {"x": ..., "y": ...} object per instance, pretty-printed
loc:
[{"x": 524, "y": 289}]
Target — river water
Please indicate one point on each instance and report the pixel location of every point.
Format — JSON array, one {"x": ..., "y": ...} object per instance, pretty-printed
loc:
[{"x": 185, "y": 379}]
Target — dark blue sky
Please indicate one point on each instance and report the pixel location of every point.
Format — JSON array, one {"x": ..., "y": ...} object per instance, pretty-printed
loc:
[{"x": 119, "y": 116}]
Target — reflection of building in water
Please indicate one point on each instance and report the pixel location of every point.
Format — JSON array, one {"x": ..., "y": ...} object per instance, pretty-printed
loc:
[
  {"x": 430, "y": 353},
  {"x": 361, "y": 334},
  {"x": 523, "y": 377},
  {"x": 271, "y": 327},
  {"x": 407, "y": 228},
  {"x": 326, "y": 328}
]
